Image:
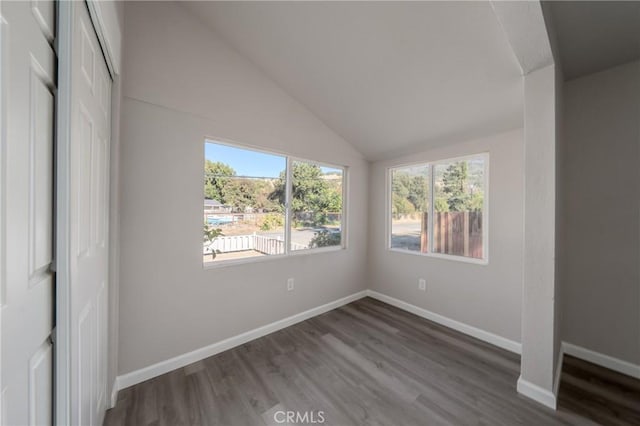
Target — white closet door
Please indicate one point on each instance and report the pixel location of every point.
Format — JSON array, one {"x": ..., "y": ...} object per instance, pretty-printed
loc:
[
  {"x": 27, "y": 89},
  {"x": 89, "y": 207}
]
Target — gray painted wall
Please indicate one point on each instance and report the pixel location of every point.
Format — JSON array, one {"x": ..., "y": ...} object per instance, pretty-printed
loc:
[
  {"x": 601, "y": 291},
  {"x": 485, "y": 296},
  {"x": 182, "y": 83}
]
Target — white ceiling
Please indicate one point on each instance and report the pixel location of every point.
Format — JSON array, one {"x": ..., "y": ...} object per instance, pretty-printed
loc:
[
  {"x": 596, "y": 35},
  {"x": 383, "y": 75}
]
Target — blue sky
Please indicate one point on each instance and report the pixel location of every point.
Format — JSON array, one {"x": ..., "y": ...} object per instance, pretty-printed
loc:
[
  {"x": 248, "y": 163},
  {"x": 245, "y": 162}
]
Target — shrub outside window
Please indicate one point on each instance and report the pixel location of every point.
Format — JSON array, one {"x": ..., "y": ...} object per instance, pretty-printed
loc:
[
  {"x": 440, "y": 208},
  {"x": 259, "y": 204}
]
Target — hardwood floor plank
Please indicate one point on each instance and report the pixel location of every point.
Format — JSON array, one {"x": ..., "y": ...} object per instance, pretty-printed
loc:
[
  {"x": 581, "y": 368},
  {"x": 169, "y": 389},
  {"x": 369, "y": 363},
  {"x": 371, "y": 369}
]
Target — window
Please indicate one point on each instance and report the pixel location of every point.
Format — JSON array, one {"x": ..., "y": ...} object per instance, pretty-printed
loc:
[
  {"x": 259, "y": 204},
  {"x": 440, "y": 208},
  {"x": 316, "y": 206}
]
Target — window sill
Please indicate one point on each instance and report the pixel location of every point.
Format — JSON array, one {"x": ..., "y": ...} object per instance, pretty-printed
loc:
[
  {"x": 259, "y": 259},
  {"x": 450, "y": 257}
]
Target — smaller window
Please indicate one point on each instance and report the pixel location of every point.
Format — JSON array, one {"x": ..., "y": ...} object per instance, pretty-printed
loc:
[
  {"x": 410, "y": 208},
  {"x": 440, "y": 208},
  {"x": 316, "y": 205}
]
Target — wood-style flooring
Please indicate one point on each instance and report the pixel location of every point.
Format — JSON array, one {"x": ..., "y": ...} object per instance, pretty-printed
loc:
[{"x": 368, "y": 363}]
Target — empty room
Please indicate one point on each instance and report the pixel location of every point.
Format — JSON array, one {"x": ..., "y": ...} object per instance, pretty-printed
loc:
[{"x": 307, "y": 212}]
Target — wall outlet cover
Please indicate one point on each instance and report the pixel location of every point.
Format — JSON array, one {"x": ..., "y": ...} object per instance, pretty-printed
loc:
[{"x": 422, "y": 284}]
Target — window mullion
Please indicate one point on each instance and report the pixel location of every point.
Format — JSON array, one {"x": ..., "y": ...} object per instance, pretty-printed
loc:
[
  {"x": 287, "y": 204},
  {"x": 431, "y": 209}
]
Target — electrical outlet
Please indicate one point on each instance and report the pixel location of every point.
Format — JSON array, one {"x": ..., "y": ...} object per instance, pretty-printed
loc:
[
  {"x": 422, "y": 284},
  {"x": 290, "y": 284}
]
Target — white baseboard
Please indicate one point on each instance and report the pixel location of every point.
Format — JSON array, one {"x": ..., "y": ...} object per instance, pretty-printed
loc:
[
  {"x": 179, "y": 361},
  {"x": 528, "y": 389},
  {"x": 146, "y": 373},
  {"x": 114, "y": 393},
  {"x": 615, "y": 364},
  {"x": 542, "y": 395},
  {"x": 535, "y": 392},
  {"x": 470, "y": 330},
  {"x": 558, "y": 371}
]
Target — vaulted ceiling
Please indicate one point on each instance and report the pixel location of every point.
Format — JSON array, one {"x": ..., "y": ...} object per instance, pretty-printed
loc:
[{"x": 384, "y": 75}]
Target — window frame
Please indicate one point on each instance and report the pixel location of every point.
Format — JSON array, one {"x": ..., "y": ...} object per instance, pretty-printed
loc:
[
  {"x": 431, "y": 166},
  {"x": 289, "y": 160}
]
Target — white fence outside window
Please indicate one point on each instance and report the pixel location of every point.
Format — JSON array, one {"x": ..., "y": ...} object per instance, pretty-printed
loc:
[{"x": 260, "y": 243}]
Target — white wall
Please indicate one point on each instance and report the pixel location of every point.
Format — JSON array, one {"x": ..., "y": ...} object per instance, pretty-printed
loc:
[
  {"x": 182, "y": 83},
  {"x": 539, "y": 344},
  {"x": 601, "y": 291},
  {"x": 484, "y": 296},
  {"x": 560, "y": 229}
]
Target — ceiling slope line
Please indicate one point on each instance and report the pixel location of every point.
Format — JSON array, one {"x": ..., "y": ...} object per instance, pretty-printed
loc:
[{"x": 523, "y": 23}]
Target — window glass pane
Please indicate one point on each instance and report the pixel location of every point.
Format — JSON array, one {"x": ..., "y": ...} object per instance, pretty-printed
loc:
[
  {"x": 244, "y": 210},
  {"x": 409, "y": 208},
  {"x": 316, "y": 206},
  {"x": 458, "y": 207}
]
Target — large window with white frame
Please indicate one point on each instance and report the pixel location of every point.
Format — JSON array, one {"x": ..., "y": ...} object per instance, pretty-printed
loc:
[
  {"x": 440, "y": 208},
  {"x": 259, "y": 204}
]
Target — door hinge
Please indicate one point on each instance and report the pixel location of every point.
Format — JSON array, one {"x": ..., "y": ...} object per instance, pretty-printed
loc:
[{"x": 52, "y": 336}]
